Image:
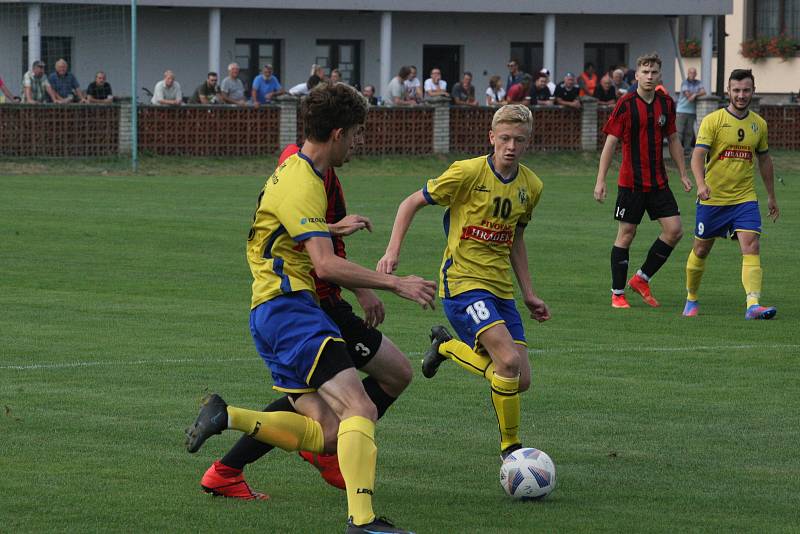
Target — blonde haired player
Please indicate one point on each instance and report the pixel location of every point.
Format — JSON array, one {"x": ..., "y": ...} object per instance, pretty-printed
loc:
[
  {"x": 489, "y": 201},
  {"x": 727, "y": 143}
]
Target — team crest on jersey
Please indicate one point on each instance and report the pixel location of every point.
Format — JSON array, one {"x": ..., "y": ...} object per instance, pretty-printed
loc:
[
  {"x": 523, "y": 195},
  {"x": 754, "y": 127},
  {"x": 662, "y": 120}
]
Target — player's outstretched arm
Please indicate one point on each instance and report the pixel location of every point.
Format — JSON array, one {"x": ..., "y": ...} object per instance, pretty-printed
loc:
[
  {"x": 332, "y": 268},
  {"x": 402, "y": 221},
  {"x": 676, "y": 153},
  {"x": 519, "y": 262},
  {"x": 350, "y": 224},
  {"x": 768, "y": 176},
  {"x": 605, "y": 163},
  {"x": 699, "y": 171}
]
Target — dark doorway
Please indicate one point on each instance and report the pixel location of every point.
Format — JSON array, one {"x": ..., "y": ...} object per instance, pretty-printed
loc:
[
  {"x": 529, "y": 56},
  {"x": 446, "y": 58},
  {"x": 52, "y": 49},
  {"x": 604, "y": 56},
  {"x": 342, "y": 55},
  {"x": 252, "y": 55}
]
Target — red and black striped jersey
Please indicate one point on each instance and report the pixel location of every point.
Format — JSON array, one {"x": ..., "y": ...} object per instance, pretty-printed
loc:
[
  {"x": 336, "y": 212},
  {"x": 642, "y": 127}
]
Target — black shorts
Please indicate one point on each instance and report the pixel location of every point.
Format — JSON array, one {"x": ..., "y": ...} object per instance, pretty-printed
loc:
[
  {"x": 333, "y": 360},
  {"x": 362, "y": 340},
  {"x": 631, "y": 205}
]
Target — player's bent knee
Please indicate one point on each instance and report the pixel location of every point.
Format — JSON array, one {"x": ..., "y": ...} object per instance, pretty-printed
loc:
[
  {"x": 524, "y": 383},
  {"x": 506, "y": 366},
  {"x": 400, "y": 378},
  {"x": 391, "y": 368}
]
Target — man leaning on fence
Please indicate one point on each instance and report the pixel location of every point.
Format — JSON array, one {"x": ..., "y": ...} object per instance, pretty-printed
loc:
[
  {"x": 266, "y": 87},
  {"x": 231, "y": 90},
  {"x": 207, "y": 92},
  {"x": 464, "y": 92},
  {"x": 99, "y": 91},
  {"x": 567, "y": 92},
  {"x": 65, "y": 85},
  {"x": 396, "y": 94},
  {"x": 35, "y": 87},
  {"x": 167, "y": 92}
]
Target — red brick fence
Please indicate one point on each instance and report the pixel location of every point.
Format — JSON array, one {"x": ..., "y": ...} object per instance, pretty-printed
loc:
[{"x": 95, "y": 130}]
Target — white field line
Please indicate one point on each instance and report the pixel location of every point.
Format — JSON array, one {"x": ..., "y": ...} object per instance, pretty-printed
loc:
[{"x": 567, "y": 350}]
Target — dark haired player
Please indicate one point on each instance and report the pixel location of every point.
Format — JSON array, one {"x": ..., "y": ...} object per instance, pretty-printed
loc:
[
  {"x": 388, "y": 369},
  {"x": 301, "y": 345},
  {"x": 642, "y": 119},
  {"x": 722, "y": 163}
]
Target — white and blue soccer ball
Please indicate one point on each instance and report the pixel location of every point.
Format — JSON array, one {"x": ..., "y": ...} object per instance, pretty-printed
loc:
[{"x": 528, "y": 474}]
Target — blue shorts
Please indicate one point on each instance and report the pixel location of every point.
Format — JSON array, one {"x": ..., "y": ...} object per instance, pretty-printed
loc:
[
  {"x": 474, "y": 311},
  {"x": 290, "y": 332},
  {"x": 725, "y": 221}
]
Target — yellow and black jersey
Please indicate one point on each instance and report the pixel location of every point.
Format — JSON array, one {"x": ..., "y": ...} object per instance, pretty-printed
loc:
[{"x": 484, "y": 210}]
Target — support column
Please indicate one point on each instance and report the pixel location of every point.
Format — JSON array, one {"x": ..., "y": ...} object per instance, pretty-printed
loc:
[
  {"x": 214, "y": 31},
  {"x": 125, "y": 139},
  {"x": 288, "y": 122},
  {"x": 707, "y": 44},
  {"x": 441, "y": 124},
  {"x": 34, "y": 34},
  {"x": 672, "y": 22},
  {"x": 549, "y": 46},
  {"x": 589, "y": 123},
  {"x": 386, "y": 52}
]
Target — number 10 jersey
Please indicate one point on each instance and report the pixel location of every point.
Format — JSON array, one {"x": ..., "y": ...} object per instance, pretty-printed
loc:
[{"x": 483, "y": 211}]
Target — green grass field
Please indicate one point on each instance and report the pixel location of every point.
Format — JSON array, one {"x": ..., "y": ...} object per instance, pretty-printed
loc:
[{"x": 124, "y": 298}]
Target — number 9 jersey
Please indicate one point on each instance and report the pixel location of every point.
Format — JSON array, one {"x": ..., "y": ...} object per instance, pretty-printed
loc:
[
  {"x": 483, "y": 212},
  {"x": 732, "y": 144}
]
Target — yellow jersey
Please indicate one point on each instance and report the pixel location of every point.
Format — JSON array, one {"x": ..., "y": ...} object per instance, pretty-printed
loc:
[
  {"x": 291, "y": 208},
  {"x": 482, "y": 216},
  {"x": 732, "y": 145}
]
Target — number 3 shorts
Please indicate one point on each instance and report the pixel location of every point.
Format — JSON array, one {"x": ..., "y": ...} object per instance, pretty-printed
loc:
[{"x": 472, "y": 312}]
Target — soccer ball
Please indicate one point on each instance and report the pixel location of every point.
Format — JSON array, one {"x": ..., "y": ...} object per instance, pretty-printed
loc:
[{"x": 528, "y": 474}]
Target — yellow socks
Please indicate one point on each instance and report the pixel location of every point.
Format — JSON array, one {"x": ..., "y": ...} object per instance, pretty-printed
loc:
[
  {"x": 357, "y": 458},
  {"x": 287, "y": 430},
  {"x": 751, "y": 277},
  {"x": 694, "y": 273},
  {"x": 505, "y": 391},
  {"x": 505, "y": 399},
  {"x": 463, "y": 355}
]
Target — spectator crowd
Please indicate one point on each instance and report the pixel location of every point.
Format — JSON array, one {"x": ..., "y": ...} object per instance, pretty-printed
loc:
[{"x": 404, "y": 89}]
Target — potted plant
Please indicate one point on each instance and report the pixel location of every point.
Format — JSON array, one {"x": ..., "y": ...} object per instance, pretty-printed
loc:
[
  {"x": 690, "y": 48},
  {"x": 782, "y": 46}
]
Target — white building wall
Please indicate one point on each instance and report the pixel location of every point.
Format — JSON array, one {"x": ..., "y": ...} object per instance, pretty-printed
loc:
[{"x": 177, "y": 39}]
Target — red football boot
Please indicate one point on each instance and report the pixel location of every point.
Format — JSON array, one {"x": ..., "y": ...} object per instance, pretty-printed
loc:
[
  {"x": 328, "y": 466},
  {"x": 223, "y": 481},
  {"x": 641, "y": 286},
  {"x": 619, "y": 301}
]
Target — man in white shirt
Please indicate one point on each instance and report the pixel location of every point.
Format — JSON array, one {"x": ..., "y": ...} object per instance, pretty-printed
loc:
[
  {"x": 167, "y": 92},
  {"x": 413, "y": 85},
  {"x": 435, "y": 85}
]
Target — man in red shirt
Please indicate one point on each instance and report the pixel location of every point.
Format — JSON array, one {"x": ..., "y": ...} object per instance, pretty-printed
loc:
[
  {"x": 520, "y": 93},
  {"x": 642, "y": 119},
  {"x": 389, "y": 371}
]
